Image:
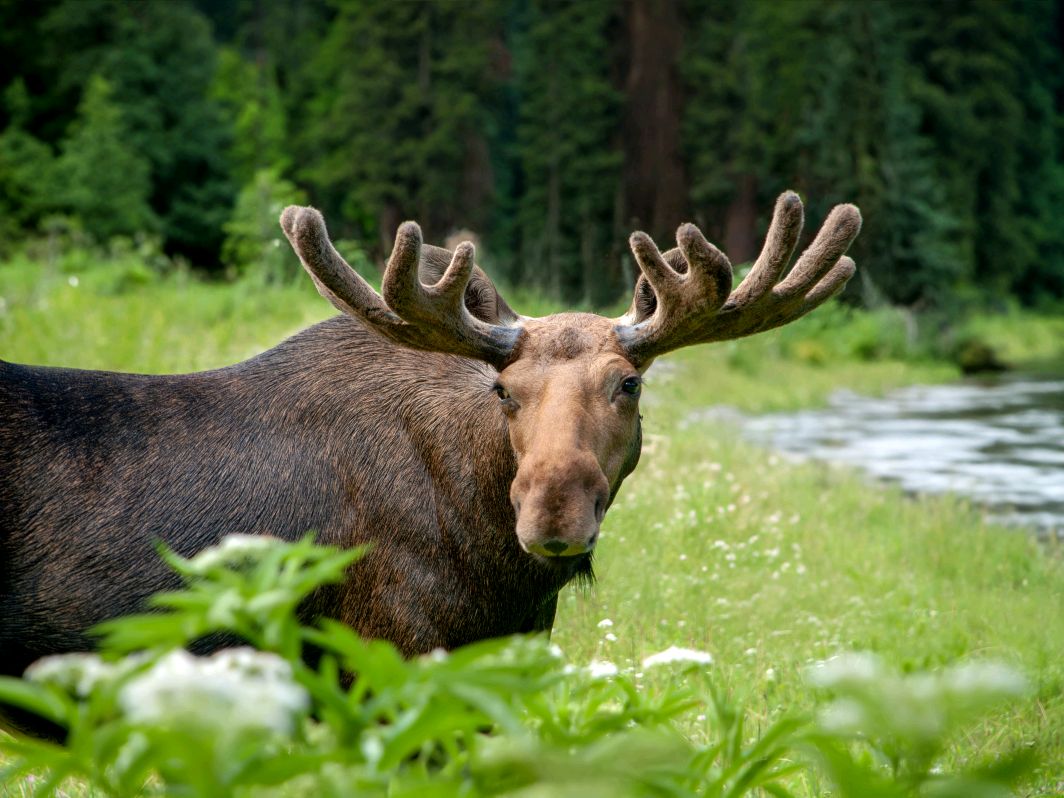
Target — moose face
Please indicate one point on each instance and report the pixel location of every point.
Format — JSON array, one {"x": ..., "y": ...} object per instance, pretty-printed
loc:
[
  {"x": 571, "y": 400},
  {"x": 569, "y": 384}
]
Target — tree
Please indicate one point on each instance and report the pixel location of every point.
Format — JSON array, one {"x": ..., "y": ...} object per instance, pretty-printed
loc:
[
  {"x": 568, "y": 150},
  {"x": 990, "y": 76},
  {"x": 26, "y": 168},
  {"x": 159, "y": 59},
  {"x": 397, "y": 125},
  {"x": 815, "y": 95},
  {"x": 253, "y": 240},
  {"x": 99, "y": 177},
  {"x": 250, "y": 97}
]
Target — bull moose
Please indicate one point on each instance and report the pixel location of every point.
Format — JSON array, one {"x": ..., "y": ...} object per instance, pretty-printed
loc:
[{"x": 477, "y": 450}]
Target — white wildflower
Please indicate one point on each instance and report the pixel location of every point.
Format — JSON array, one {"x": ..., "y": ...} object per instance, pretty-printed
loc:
[
  {"x": 78, "y": 674},
  {"x": 235, "y": 689},
  {"x": 73, "y": 281},
  {"x": 610, "y": 637},
  {"x": 674, "y": 654},
  {"x": 770, "y": 674},
  {"x": 984, "y": 681},
  {"x": 850, "y": 669},
  {"x": 600, "y": 669},
  {"x": 232, "y": 550},
  {"x": 605, "y": 623},
  {"x": 844, "y": 716}
]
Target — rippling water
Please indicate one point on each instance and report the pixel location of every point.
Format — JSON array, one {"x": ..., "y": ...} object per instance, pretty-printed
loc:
[{"x": 999, "y": 442}]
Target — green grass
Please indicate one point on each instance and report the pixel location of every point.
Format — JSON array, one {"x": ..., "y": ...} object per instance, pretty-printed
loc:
[{"x": 713, "y": 543}]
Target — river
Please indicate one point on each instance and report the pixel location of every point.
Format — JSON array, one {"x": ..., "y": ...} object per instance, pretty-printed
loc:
[{"x": 998, "y": 441}]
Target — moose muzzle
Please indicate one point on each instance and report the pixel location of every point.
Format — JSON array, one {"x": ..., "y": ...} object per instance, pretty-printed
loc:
[{"x": 559, "y": 504}]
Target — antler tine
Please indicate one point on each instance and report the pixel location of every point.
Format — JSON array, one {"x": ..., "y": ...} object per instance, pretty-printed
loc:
[
  {"x": 691, "y": 308},
  {"x": 432, "y": 318},
  {"x": 334, "y": 278},
  {"x": 838, "y": 232},
  {"x": 788, "y": 217}
]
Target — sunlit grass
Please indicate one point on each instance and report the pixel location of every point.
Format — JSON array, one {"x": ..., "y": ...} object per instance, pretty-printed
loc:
[{"x": 713, "y": 544}]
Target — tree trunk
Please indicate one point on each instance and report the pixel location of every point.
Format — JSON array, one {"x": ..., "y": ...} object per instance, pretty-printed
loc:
[
  {"x": 656, "y": 185},
  {"x": 740, "y": 222}
]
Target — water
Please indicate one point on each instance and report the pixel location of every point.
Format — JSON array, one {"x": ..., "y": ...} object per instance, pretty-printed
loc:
[{"x": 999, "y": 442}]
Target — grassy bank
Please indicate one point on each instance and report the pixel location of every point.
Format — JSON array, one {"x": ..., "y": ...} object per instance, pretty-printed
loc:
[{"x": 713, "y": 544}]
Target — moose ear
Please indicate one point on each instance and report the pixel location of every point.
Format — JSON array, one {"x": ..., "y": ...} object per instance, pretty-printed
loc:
[{"x": 482, "y": 299}]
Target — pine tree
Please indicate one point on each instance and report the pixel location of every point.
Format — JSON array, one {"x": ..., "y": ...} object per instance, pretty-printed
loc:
[
  {"x": 100, "y": 178},
  {"x": 567, "y": 150},
  {"x": 990, "y": 76},
  {"x": 815, "y": 95},
  {"x": 398, "y": 124},
  {"x": 159, "y": 59},
  {"x": 26, "y": 168},
  {"x": 250, "y": 97}
]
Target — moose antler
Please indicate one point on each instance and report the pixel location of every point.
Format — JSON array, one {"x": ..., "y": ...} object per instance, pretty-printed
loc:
[
  {"x": 429, "y": 317},
  {"x": 682, "y": 297}
]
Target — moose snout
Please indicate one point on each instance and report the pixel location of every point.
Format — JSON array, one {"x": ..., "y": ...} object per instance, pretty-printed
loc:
[{"x": 559, "y": 506}]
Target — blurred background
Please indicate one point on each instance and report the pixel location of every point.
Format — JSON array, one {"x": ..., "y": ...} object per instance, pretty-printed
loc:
[{"x": 550, "y": 129}]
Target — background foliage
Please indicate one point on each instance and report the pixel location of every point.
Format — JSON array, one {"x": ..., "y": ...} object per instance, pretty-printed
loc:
[{"x": 551, "y": 128}]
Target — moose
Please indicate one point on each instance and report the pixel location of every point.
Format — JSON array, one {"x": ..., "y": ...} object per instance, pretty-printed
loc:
[{"x": 475, "y": 449}]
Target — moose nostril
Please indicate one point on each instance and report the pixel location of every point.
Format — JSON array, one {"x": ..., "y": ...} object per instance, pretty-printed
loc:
[
  {"x": 600, "y": 508},
  {"x": 556, "y": 546}
]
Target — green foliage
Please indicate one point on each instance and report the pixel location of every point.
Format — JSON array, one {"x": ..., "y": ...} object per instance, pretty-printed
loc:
[
  {"x": 146, "y": 717},
  {"x": 98, "y": 177},
  {"x": 26, "y": 169},
  {"x": 566, "y": 151},
  {"x": 395, "y": 128},
  {"x": 986, "y": 74},
  {"x": 942, "y": 121},
  {"x": 254, "y": 244},
  {"x": 160, "y": 61},
  {"x": 250, "y": 97}
]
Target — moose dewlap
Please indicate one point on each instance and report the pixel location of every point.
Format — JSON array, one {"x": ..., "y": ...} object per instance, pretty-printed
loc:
[{"x": 475, "y": 449}]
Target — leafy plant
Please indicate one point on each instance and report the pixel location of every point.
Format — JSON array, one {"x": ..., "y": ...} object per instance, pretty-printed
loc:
[{"x": 317, "y": 710}]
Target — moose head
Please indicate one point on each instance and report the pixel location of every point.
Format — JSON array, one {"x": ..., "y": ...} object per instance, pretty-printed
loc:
[{"x": 569, "y": 384}]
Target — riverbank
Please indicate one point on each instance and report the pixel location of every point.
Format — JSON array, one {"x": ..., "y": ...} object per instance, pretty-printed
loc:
[{"x": 713, "y": 544}]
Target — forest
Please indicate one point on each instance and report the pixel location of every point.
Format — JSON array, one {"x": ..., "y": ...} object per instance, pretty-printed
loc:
[{"x": 549, "y": 129}]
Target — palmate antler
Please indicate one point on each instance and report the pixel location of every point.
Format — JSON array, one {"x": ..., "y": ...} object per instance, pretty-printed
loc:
[
  {"x": 430, "y": 317},
  {"x": 682, "y": 297}
]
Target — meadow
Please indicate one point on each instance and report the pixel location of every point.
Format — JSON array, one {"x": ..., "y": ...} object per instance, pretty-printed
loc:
[{"x": 713, "y": 544}]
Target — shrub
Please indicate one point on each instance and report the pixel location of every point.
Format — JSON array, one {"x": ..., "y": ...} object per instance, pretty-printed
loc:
[{"x": 254, "y": 244}]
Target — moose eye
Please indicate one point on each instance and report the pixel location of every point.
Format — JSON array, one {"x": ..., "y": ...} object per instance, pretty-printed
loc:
[
  {"x": 632, "y": 386},
  {"x": 501, "y": 392}
]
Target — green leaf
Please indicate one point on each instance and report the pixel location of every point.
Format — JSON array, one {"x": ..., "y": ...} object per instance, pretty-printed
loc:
[{"x": 36, "y": 698}]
